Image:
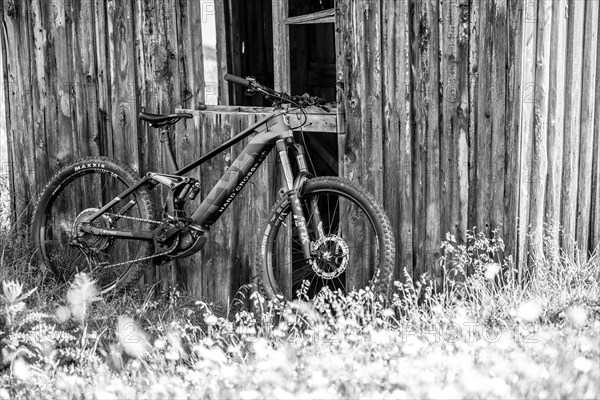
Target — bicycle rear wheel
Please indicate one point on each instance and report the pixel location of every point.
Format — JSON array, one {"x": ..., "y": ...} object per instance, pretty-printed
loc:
[
  {"x": 70, "y": 199},
  {"x": 352, "y": 247}
]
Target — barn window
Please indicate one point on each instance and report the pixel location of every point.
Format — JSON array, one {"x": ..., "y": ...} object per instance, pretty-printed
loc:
[{"x": 288, "y": 45}]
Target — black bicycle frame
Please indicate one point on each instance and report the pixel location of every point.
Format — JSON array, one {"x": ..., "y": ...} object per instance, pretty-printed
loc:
[{"x": 271, "y": 131}]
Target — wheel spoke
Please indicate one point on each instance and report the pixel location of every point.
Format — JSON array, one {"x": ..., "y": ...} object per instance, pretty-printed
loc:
[
  {"x": 335, "y": 256},
  {"x": 80, "y": 193}
]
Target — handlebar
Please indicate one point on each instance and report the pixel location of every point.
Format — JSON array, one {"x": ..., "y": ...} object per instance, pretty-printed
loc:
[
  {"x": 254, "y": 87},
  {"x": 237, "y": 79}
]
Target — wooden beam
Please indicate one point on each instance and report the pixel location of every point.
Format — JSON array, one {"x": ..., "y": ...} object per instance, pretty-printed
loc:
[
  {"x": 573, "y": 90},
  {"x": 3, "y": 138},
  {"x": 320, "y": 17},
  {"x": 539, "y": 161},
  {"x": 586, "y": 145},
  {"x": 220, "y": 23},
  {"x": 556, "y": 110},
  {"x": 317, "y": 121},
  {"x": 281, "y": 46}
]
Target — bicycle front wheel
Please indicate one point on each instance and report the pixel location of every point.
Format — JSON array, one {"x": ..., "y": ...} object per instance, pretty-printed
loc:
[
  {"x": 70, "y": 199},
  {"x": 351, "y": 242}
]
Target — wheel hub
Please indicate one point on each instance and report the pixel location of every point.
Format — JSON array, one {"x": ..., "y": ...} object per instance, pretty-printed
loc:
[
  {"x": 331, "y": 256},
  {"x": 93, "y": 242}
]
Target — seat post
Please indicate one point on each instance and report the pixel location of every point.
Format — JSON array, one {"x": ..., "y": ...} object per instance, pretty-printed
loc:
[{"x": 165, "y": 141}]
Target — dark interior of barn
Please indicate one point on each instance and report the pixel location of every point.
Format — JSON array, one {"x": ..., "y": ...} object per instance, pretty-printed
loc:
[{"x": 312, "y": 59}]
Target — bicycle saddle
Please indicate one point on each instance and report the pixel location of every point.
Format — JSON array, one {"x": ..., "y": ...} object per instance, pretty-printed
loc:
[{"x": 158, "y": 120}]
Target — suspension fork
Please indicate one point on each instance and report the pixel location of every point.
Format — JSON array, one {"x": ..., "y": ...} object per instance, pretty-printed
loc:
[
  {"x": 303, "y": 176},
  {"x": 294, "y": 198}
]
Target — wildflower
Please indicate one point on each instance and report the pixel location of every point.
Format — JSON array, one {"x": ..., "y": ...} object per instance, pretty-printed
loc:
[
  {"x": 577, "y": 316},
  {"x": 529, "y": 312},
  {"x": 105, "y": 395},
  {"x": 20, "y": 369},
  {"x": 12, "y": 290},
  {"x": 160, "y": 344},
  {"x": 83, "y": 291},
  {"x": 388, "y": 313},
  {"x": 583, "y": 364},
  {"x": 491, "y": 270},
  {"x": 131, "y": 337},
  {"x": 210, "y": 320},
  {"x": 63, "y": 314}
]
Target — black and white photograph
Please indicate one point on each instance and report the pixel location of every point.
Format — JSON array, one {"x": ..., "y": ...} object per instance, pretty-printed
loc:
[{"x": 299, "y": 199}]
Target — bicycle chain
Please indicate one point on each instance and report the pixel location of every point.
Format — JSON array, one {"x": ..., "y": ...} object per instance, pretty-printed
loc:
[
  {"x": 134, "y": 218},
  {"x": 143, "y": 258}
]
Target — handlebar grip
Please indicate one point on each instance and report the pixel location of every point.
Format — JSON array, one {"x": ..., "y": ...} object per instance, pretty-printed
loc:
[
  {"x": 237, "y": 79},
  {"x": 320, "y": 101}
]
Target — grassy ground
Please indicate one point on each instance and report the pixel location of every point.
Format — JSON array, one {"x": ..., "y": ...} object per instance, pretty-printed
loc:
[{"x": 485, "y": 336}]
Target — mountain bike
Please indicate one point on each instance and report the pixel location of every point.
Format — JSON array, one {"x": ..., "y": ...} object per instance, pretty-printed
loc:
[{"x": 96, "y": 215}]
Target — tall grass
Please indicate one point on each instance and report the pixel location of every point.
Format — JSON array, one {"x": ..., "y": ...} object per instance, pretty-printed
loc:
[
  {"x": 484, "y": 334},
  {"x": 4, "y": 201}
]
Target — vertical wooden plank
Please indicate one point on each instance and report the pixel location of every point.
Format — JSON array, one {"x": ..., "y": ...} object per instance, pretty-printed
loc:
[
  {"x": 169, "y": 85},
  {"x": 101, "y": 38},
  {"x": 60, "y": 139},
  {"x": 5, "y": 90},
  {"x": 498, "y": 100},
  {"x": 572, "y": 124},
  {"x": 188, "y": 148},
  {"x": 474, "y": 34},
  {"x": 556, "y": 109},
  {"x": 483, "y": 110},
  {"x": 83, "y": 85},
  {"x": 148, "y": 39},
  {"x": 3, "y": 114},
  {"x": 448, "y": 82},
  {"x": 19, "y": 125},
  {"x": 241, "y": 237},
  {"x": 215, "y": 256},
  {"x": 191, "y": 53},
  {"x": 171, "y": 74},
  {"x": 222, "y": 50},
  {"x": 539, "y": 157},
  {"x": 526, "y": 129},
  {"x": 281, "y": 46},
  {"x": 588, "y": 93},
  {"x": 123, "y": 88},
  {"x": 455, "y": 112},
  {"x": 350, "y": 143},
  {"x": 41, "y": 101},
  {"x": 460, "y": 193},
  {"x": 426, "y": 99},
  {"x": 513, "y": 105},
  {"x": 595, "y": 207},
  {"x": 191, "y": 75},
  {"x": 361, "y": 146},
  {"x": 397, "y": 190}
]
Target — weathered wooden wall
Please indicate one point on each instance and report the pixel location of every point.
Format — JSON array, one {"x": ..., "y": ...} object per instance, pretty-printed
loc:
[
  {"x": 227, "y": 261},
  {"x": 457, "y": 113},
  {"x": 79, "y": 71},
  {"x": 463, "y": 114}
]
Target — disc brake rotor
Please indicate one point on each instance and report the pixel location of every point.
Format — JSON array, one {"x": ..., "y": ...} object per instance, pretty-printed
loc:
[{"x": 331, "y": 257}]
